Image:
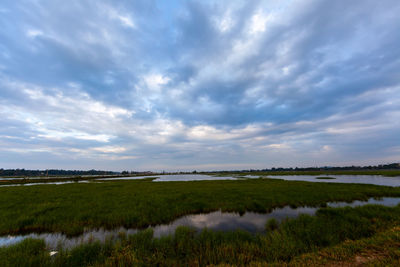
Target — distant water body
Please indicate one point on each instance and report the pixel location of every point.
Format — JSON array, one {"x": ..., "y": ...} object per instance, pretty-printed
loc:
[
  {"x": 347, "y": 179},
  {"x": 357, "y": 179},
  {"x": 175, "y": 178}
]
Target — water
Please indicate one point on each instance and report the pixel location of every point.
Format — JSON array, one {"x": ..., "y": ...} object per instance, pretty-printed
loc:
[
  {"x": 218, "y": 221},
  {"x": 53, "y": 240},
  {"x": 160, "y": 178},
  {"x": 36, "y": 178},
  {"x": 191, "y": 177},
  {"x": 230, "y": 221},
  {"x": 126, "y": 178},
  {"x": 174, "y": 178},
  {"x": 53, "y": 177},
  {"x": 251, "y": 176},
  {"x": 357, "y": 179},
  {"x": 54, "y": 183}
]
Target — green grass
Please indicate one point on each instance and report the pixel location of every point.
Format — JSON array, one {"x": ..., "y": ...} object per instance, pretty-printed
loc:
[
  {"x": 138, "y": 203},
  {"x": 292, "y": 238},
  {"x": 30, "y": 252},
  {"x": 382, "y": 249},
  {"x": 70, "y": 208},
  {"x": 330, "y": 235}
]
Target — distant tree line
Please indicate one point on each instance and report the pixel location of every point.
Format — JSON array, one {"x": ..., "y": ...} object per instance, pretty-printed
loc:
[
  {"x": 53, "y": 172},
  {"x": 33, "y": 173}
]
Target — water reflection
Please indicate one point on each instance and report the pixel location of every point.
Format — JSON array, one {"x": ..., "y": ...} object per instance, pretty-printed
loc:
[
  {"x": 161, "y": 178},
  {"x": 174, "y": 178},
  {"x": 53, "y": 183},
  {"x": 191, "y": 177},
  {"x": 126, "y": 178},
  {"x": 230, "y": 221},
  {"x": 357, "y": 179},
  {"x": 218, "y": 221},
  {"x": 54, "y": 240}
]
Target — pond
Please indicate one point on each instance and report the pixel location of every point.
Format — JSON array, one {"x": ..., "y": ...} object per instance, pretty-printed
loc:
[
  {"x": 53, "y": 183},
  {"x": 357, "y": 179},
  {"x": 217, "y": 220},
  {"x": 160, "y": 178},
  {"x": 10, "y": 178},
  {"x": 175, "y": 178}
]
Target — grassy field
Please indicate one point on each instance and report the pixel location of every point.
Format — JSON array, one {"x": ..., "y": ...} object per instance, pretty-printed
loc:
[
  {"x": 382, "y": 249},
  {"x": 332, "y": 236},
  {"x": 341, "y": 236},
  {"x": 70, "y": 208}
]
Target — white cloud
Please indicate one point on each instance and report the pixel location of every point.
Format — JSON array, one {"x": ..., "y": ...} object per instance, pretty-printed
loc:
[
  {"x": 254, "y": 83},
  {"x": 32, "y": 33},
  {"x": 155, "y": 81},
  {"x": 60, "y": 135},
  {"x": 258, "y": 23},
  {"x": 56, "y": 115},
  {"x": 225, "y": 22},
  {"x": 277, "y": 146},
  {"x": 79, "y": 101},
  {"x": 126, "y": 21},
  {"x": 109, "y": 149}
]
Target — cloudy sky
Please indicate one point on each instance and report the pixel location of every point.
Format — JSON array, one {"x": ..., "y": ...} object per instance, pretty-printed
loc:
[{"x": 206, "y": 85}]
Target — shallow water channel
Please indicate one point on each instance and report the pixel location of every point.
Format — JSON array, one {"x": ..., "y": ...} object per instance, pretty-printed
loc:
[{"x": 218, "y": 221}]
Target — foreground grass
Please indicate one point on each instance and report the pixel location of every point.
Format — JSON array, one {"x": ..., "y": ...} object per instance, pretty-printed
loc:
[
  {"x": 334, "y": 236},
  {"x": 382, "y": 249},
  {"x": 30, "y": 252},
  {"x": 70, "y": 208}
]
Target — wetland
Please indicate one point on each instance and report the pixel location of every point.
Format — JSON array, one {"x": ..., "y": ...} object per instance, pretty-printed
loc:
[{"x": 190, "y": 220}]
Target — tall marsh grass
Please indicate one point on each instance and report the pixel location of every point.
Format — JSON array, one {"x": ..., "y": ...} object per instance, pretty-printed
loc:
[
  {"x": 71, "y": 208},
  {"x": 281, "y": 244}
]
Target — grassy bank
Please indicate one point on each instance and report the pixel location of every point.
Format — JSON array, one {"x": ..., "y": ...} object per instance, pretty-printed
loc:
[
  {"x": 70, "y": 208},
  {"x": 382, "y": 249},
  {"x": 30, "y": 252},
  {"x": 290, "y": 243}
]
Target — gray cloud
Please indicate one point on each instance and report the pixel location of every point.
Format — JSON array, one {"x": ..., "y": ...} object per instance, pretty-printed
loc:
[{"x": 145, "y": 85}]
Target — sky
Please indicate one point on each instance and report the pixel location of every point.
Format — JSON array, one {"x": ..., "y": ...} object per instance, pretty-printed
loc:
[{"x": 198, "y": 85}]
